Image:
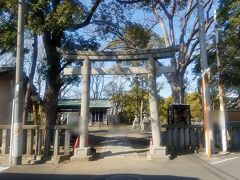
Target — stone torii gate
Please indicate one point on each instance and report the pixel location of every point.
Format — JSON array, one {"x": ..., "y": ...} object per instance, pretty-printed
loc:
[{"x": 152, "y": 69}]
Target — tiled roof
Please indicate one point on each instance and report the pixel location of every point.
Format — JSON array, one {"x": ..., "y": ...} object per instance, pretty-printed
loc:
[{"x": 75, "y": 103}]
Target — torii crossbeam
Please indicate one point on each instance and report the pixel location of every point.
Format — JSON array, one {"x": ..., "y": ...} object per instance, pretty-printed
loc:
[{"x": 162, "y": 53}]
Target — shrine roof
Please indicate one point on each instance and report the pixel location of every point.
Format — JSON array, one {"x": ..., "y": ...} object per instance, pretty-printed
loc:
[{"x": 76, "y": 103}]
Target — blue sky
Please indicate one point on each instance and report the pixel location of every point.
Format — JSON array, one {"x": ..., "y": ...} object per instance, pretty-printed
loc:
[
  {"x": 141, "y": 17},
  {"x": 144, "y": 18}
]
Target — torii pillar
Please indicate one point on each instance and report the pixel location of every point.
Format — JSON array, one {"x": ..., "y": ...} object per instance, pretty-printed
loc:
[
  {"x": 83, "y": 151},
  {"x": 156, "y": 150}
]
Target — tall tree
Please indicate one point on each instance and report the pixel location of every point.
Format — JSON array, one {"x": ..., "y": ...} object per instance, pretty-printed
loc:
[
  {"x": 178, "y": 22},
  {"x": 30, "y": 78},
  {"x": 228, "y": 25},
  {"x": 54, "y": 20}
]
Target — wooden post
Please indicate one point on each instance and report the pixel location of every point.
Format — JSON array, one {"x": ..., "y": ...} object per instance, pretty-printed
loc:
[
  {"x": 199, "y": 135},
  {"x": 205, "y": 84},
  {"x": 186, "y": 135},
  {"x": 192, "y": 138},
  {"x": 170, "y": 137},
  {"x": 220, "y": 90},
  {"x": 175, "y": 138},
  {"x": 181, "y": 138},
  {"x": 235, "y": 138}
]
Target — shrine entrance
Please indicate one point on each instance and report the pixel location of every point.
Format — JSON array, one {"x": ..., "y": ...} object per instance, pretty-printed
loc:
[{"x": 152, "y": 69}]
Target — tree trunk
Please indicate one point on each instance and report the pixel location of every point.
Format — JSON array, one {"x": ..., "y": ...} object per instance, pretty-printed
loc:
[
  {"x": 176, "y": 81},
  {"x": 53, "y": 85},
  {"x": 30, "y": 79}
]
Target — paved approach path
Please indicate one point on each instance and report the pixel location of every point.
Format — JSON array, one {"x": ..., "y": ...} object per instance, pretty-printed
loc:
[{"x": 123, "y": 142}]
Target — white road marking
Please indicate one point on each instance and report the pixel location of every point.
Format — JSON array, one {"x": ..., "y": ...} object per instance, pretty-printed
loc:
[{"x": 228, "y": 159}]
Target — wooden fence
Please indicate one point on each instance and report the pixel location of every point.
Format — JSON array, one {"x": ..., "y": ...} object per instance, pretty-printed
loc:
[
  {"x": 54, "y": 141},
  {"x": 191, "y": 137},
  {"x": 182, "y": 138}
]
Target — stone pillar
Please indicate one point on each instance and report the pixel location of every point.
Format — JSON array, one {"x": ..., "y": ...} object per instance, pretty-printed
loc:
[
  {"x": 66, "y": 141},
  {"x": 4, "y": 143},
  {"x": 29, "y": 142},
  {"x": 156, "y": 150},
  {"x": 84, "y": 117},
  {"x": 84, "y": 151}
]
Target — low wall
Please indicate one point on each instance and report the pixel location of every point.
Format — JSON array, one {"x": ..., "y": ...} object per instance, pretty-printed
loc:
[{"x": 38, "y": 142}]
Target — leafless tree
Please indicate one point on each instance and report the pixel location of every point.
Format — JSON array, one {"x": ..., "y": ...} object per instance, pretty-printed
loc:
[
  {"x": 30, "y": 78},
  {"x": 178, "y": 22},
  {"x": 97, "y": 82},
  {"x": 168, "y": 17}
]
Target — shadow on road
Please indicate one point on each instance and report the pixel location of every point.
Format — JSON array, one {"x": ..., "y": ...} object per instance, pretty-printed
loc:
[{"x": 19, "y": 176}]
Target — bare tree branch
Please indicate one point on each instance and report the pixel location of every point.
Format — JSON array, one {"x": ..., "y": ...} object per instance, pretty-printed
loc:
[
  {"x": 186, "y": 19},
  {"x": 163, "y": 27},
  {"x": 89, "y": 16},
  {"x": 174, "y": 7},
  {"x": 164, "y": 9},
  {"x": 128, "y": 1}
]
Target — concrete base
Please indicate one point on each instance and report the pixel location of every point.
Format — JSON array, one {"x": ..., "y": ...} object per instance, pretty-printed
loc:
[
  {"x": 58, "y": 159},
  {"x": 82, "y": 158},
  {"x": 16, "y": 160},
  {"x": 82, "y": 154},
  {"x": 136, "y": 125},
  {"x": 158, "y": 153},
  {"x": 146, "y": 127},
  {"x": 4, "y": 161},
  {"x": 31, "y": 159}
]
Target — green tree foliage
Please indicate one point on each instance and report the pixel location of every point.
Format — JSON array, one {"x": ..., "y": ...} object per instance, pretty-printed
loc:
[
  {"x": 193, "y": 99},
  {"x": 8, "y": 24},
  {"x": 55, "y": 21},
  {"x": 228, "y": 27},
  {"x": 163, "y": 108},
  {"x": 229, "y": 24},
  {"x": 136, "y": 37},
  {"x": 128, "y": 103}
]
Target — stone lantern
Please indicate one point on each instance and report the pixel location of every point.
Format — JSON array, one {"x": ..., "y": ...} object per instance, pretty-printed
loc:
[
  {"x": 136, "y": 122},
  {"x": 146, "y": 124}
]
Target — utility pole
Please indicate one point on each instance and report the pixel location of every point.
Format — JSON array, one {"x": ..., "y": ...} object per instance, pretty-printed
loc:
[
  {"x": 220, "y": 88},
  {"x": 17, "y": 138},
  {"x": 209, "y": 141}
]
